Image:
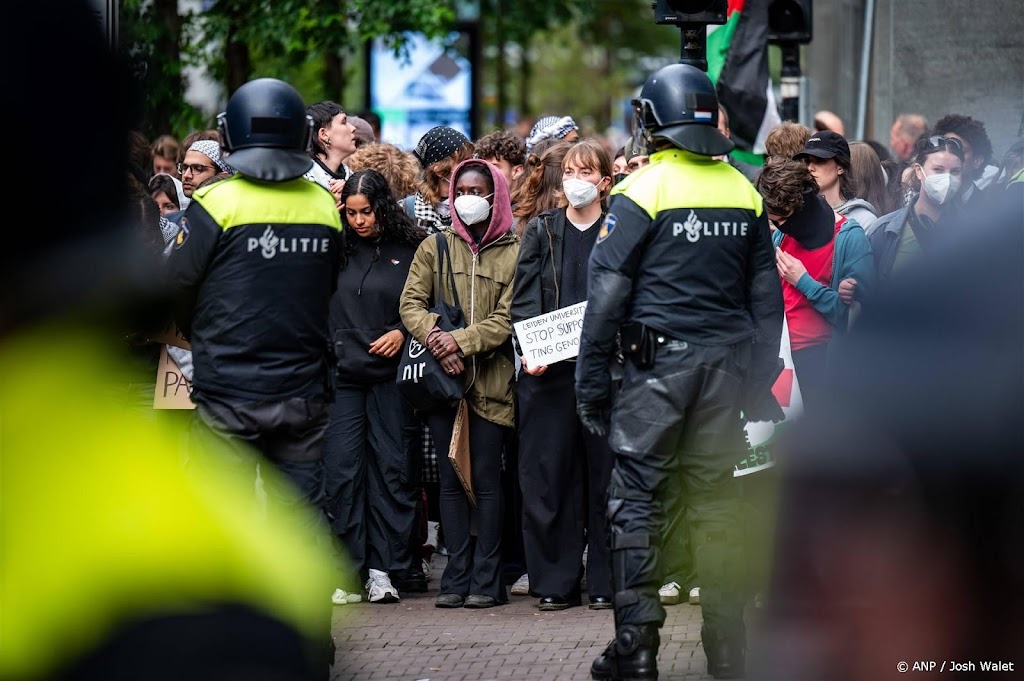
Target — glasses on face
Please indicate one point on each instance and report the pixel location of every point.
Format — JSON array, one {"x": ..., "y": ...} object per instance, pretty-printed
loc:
[{"x": 196, "y": 168}]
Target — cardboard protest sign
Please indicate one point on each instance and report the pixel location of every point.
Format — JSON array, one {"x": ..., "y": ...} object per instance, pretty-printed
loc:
[
  {"x": 551, "y": 337},
  {"x": 763, "y": 435},
  {"x": 171, "y": 336},
  {"x": 173, "y": 390}
]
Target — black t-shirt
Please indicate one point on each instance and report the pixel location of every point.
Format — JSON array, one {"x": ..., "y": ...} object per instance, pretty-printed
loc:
[{"x": 576, "y": 247}]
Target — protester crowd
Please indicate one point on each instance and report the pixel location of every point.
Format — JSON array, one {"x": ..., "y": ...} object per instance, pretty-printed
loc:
[
  {"x": 844, "y": 220},
  {"x": 502, "y": 228}
]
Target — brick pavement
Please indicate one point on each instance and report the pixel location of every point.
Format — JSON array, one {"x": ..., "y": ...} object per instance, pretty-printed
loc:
[{"x": 413, "y": 641}]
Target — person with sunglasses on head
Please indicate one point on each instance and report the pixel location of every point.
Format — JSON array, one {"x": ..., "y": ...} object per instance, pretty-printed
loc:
[
  {"x": 978, "y": 174},
  {"x": 900, "y": 236}
]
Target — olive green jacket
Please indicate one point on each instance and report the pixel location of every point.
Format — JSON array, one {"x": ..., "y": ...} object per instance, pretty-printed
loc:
[{"x": 484, "y": 284}]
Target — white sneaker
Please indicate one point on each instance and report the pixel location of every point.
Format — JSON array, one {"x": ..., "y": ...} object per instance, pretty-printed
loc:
[
  {"x": 695, "y": 596},
  {"x": 669, "y": 594},
  {"x": 425, "y": 566},
  {"x": 522, "y": 586},
  {"x": 379, "y": 587},
  {"x": 342, "y": 597}
]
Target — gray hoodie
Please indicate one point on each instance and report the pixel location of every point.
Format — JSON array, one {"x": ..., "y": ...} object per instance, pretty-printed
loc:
[{"x": 858, "y": 209}]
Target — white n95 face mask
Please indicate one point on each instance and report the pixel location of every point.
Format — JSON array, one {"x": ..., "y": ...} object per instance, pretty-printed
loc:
[
  {"x": 579, "y": 192},
  {"x": 472, "y": 209},
  {"x": 941, "y": 187}
]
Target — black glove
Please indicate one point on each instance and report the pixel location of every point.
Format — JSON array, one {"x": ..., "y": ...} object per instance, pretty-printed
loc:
[
  {"x": 595, "y": 417},
  {"x": 759, "y": 403}
]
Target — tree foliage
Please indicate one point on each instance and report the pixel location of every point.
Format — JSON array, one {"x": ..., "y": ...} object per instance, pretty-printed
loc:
[{"x": 234, "y": 40}]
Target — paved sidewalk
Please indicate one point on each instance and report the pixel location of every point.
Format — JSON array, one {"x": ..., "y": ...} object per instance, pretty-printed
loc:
[{"x": 413, "y": 640}]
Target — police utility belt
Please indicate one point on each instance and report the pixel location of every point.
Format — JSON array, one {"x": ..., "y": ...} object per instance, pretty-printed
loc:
[{"x": 640, "y": 343}]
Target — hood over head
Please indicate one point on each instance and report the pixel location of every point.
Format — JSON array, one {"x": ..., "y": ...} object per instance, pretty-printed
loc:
[{"x": 501, "y": 209}]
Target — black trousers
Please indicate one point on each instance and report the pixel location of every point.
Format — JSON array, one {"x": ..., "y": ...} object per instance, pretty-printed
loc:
[
  {"x": 371, "y": 490},
  {"x": 474, "y": 566},
  {"x": 811, "y": 367},
  {"x": 679, "y": 416},
  {"x": 289, "y": 434},
  {"x": 564, "y": 473}
]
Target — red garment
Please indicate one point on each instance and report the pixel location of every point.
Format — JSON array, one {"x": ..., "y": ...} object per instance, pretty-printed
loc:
[{"x": 807, "y": 326}]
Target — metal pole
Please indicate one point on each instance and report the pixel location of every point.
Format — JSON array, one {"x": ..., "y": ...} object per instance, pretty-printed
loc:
[
  {"x": 695, "y": 46},
  {"x": 789, "y": 84},
  {"x": 865, "y": 68}
]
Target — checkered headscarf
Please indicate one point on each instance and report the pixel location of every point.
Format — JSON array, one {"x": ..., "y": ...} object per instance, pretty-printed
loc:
[
  {"x": 212, "y": 150},
  {"x": 550, "y": 127}
]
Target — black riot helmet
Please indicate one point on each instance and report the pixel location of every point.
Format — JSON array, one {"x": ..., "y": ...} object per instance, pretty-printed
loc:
[
  {"x": 678, "y": 103},
  {"x": 266, "y": 131}
]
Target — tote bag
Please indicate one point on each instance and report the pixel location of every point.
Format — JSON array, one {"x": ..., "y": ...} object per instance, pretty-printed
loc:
[{"x": 421, "y": 379}]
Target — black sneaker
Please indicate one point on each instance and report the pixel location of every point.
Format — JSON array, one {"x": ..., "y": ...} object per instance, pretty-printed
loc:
[{"x": 412, "y": 581}]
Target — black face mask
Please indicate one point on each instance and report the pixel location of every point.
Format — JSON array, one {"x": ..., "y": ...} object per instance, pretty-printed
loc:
[
  {"x": 813, "y": 225},
  {"x": 618, "y": 177}
]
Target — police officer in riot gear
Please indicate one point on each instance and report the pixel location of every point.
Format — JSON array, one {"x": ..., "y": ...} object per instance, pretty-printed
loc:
[
  {"x": 253, "y": 269},
  {"x": 684, "y": 276}
]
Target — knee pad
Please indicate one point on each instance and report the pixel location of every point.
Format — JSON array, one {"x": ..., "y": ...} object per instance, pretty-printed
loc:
[{"x": 619, "y": 492}]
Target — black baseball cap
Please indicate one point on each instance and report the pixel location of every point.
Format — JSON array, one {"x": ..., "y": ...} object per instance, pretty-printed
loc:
[{"x": 827, "y": 144}]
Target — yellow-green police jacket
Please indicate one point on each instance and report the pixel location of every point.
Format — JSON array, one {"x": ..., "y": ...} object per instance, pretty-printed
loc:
[
  {"x": 104, "y": 529},
  {"x": 254, "y": 268},
  {"x": 685, "y": 249}
]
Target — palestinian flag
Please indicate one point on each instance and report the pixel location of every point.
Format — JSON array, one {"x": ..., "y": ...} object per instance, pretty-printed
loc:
[{"x": 738, "y": 66}]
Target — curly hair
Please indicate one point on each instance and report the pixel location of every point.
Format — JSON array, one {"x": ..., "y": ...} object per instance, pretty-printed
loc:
[
  {"x": 399, "y": 167},
  {"x": 393, "y": 224},
  {"x": 786, "y": 140},
  {"x": 503, "y": 145},
  {"x": 541, "y": 190},
  {"x": 783, "y": 183},
  {"x": 437, "y": 175},
  {"x": 971, "y": 130}
]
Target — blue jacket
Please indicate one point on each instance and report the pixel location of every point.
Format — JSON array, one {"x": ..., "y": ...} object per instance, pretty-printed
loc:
[
  {"x": 885, "y": 239},
  {"x": 852, "y": 260}
]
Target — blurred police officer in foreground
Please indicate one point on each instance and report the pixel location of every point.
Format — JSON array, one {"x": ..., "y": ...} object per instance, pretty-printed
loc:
[
  {"x": 117, "y": 564},
  {"x": 900, "y": 533},
  {"x": 685, "y": 270},
  {"x": 254, "y": 267}
]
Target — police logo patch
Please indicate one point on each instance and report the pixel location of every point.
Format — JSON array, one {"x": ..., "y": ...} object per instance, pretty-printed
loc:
[
  {"x": 607, "y": 227},
  {"x": 183, "y": 233}
]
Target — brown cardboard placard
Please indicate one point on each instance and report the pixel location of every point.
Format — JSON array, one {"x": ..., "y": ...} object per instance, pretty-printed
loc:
[
  {"x": 458, "y": 451},
  {"x": 172, "y": 390}
]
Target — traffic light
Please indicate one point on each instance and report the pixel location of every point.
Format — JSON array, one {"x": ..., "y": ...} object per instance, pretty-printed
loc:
[
  {"x": 789, "y": 21},
  {"x": 679, "y": 12}
]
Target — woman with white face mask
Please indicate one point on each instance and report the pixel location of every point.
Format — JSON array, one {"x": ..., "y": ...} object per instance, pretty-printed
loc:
[
  {"x": 563, "y": 469},
  {"x": 483, "y": 252},
  {"x": 897, "y": 238}
]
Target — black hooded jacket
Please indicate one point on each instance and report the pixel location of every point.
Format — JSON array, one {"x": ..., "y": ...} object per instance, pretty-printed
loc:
[{"x": 365, "y": 307}]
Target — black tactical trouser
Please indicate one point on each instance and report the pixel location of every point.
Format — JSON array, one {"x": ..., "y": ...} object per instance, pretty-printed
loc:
[
  {"x": 288, "y": 433},
  {"x": 678, "y": 419}
]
